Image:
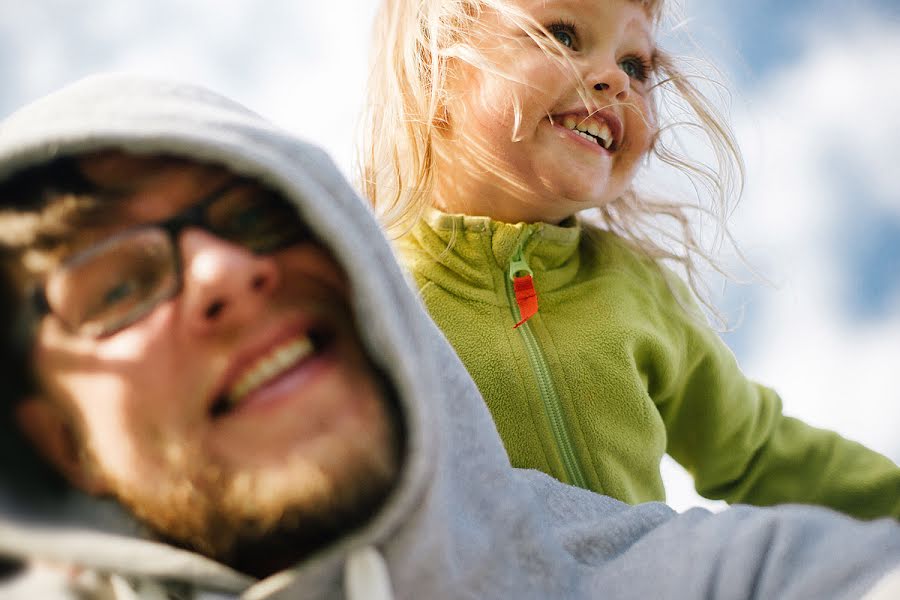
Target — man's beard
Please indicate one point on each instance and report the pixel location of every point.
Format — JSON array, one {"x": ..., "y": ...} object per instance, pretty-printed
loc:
[{"x": 264, "y": 520}]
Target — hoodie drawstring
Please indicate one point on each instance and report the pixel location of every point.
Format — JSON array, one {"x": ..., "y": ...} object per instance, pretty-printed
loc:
[{"x": 366, "y": 576}]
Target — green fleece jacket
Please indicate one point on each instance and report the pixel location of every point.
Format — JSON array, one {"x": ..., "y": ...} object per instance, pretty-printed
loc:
[{"x": 617, "y": 368}]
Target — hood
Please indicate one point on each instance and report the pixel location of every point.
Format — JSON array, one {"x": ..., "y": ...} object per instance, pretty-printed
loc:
[{"x": 461, "y": 523}]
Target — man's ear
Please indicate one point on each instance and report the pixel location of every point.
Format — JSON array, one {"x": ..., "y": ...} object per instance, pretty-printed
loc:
[{"x": 51, "y": 431}]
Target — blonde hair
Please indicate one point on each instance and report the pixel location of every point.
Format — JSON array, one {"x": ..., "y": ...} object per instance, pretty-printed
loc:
[{"x": 414, "y": 42}]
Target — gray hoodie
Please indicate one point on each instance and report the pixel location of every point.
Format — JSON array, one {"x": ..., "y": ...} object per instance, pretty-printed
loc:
[{"x": 461, "y": 523}]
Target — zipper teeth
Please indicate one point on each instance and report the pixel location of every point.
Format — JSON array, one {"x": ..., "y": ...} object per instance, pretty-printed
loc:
[{"x": 548, "y": 394}]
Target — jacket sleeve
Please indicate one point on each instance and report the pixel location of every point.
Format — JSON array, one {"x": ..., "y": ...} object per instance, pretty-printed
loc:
[{"x": 731, "y": 435}]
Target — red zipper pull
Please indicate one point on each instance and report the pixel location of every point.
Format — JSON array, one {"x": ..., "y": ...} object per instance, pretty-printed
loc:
[
  {"x": 523, "y": 286},
  {"x": 526, "y": 298}
]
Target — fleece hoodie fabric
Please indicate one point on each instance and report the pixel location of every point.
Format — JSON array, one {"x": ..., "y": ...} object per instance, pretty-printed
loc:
[
  {"x": 461, "y": 523},
  {"x": 617, "y": 368}
]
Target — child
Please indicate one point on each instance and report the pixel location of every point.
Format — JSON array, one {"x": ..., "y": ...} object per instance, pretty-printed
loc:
[{"x": 493, "y": 124}]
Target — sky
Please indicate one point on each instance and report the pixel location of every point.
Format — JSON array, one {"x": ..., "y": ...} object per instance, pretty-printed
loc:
[{"x": 814, "y": 89}]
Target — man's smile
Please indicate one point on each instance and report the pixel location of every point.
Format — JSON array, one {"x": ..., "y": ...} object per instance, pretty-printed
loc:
[
  {"x": 279, "y": 360},
  {"x": 253, "y": 375}
]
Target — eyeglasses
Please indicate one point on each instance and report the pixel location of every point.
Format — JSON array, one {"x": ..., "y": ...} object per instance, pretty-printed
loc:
[{"x": 107, "y": 287}]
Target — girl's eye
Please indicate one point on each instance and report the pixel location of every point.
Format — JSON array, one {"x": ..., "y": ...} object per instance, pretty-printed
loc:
[
  {"x": 636, "y": 68},
  {"x": 564, "y": 33},
  {"x": 564, "y": 38}
]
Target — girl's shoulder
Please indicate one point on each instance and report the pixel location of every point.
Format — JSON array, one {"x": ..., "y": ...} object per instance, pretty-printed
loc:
[
  {"x": 647, "y": 273},
  {"x": 613, "y": 250}
]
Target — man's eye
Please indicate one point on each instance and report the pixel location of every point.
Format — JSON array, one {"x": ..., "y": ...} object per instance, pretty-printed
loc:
[
  {"x": 119, "y": 293},
  {"x": 635, "y": 67},
  {"x": 564, "y": 33},
  {"x": 249, "y": 219},
  {"x": 133, "y": 286}
]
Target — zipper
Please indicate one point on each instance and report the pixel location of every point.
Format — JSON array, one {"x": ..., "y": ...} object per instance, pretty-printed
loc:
[{"x": 541, "y": 370}]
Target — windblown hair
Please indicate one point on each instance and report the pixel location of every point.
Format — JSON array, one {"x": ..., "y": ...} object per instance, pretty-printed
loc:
[{"x": 415, "y": 44}]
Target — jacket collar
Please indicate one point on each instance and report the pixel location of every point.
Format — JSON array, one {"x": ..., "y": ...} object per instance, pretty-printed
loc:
[{"x": 474, "y": 252}]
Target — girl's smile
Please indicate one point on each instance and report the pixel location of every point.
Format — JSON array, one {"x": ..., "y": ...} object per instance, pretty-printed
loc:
[{"x": 602, "y": 128}]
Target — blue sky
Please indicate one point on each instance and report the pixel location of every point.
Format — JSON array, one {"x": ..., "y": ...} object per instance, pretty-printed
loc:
[
  {"x": 815, "y": 102},
  {"x": 766, "y": 33}
]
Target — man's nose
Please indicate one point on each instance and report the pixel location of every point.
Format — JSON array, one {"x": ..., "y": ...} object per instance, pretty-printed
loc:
[{"x": 224, "y": 284}]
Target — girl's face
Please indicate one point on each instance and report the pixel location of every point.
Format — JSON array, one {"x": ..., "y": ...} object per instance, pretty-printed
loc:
[{"x": 564, "y": 156}]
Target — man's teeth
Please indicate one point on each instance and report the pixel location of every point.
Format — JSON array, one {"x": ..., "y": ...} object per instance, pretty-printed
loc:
[
  {"x": 599, "y": 133},
  {"x": 273, "y": 364}
]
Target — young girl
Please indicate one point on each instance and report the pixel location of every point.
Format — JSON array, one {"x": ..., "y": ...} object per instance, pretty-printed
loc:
[{"x": 492, "y": 125}]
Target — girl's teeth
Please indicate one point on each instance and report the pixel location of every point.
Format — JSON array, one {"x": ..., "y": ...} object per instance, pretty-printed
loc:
[
  {"x": 600, "y": 134},
  {"x": 606, "y": 135},
  {"x": 269, "y": 366}
]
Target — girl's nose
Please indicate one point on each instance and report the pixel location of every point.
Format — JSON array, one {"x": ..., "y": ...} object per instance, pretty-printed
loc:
[
  {"x": 224, "y": 284},
  {"x": 611, "y": 80}
]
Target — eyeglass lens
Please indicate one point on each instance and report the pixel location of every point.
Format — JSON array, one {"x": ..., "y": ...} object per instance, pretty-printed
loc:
[{"x": 115, "y": 283}]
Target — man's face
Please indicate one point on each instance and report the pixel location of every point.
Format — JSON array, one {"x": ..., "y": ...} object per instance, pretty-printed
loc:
[{"x": 243, "y": 405}]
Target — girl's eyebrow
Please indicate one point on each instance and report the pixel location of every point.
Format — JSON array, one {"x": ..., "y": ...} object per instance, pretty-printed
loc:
[{"x": 643, "y": 29}]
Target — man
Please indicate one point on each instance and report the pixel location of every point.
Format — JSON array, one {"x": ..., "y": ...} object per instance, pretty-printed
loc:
[
  {"x": 205, "y": 456},
  {"x": 241, "y": 397}
]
